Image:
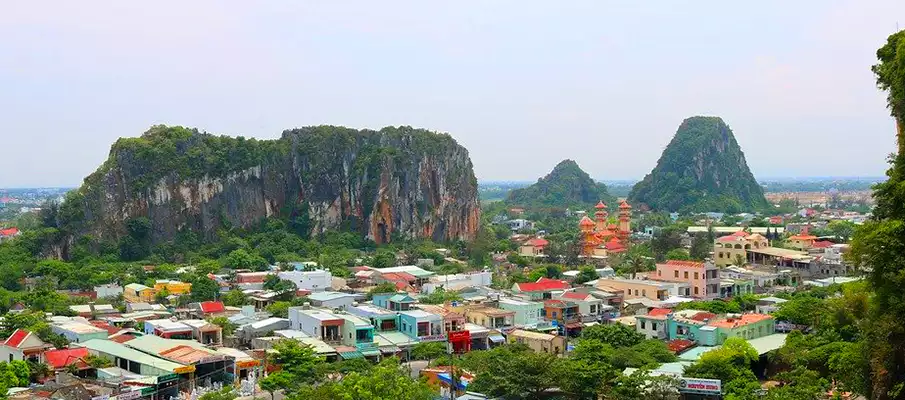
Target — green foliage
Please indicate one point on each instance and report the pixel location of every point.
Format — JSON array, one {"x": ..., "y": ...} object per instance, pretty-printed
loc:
[
  {"x": 719, "y": 181},
  {"x": 242, "y": 259},
  {"x": 223, "y": 322},
  {"x": 227, "y": 393},
  {"x": 731, "y": 364},
  {"x": 94, "y": 361},
  {"x": 386, "y": 381},
  {"x": 428, "y": 350},
  {"x": 235, "y": 298},
  {"x": 383, "y": 259},
  {"x": 566, "y": 186},
  {"x": 678, "y": 254},
  {"x": 551, "y": 271},
  {"x": 585, "y": 274},
  {"x": 279, "y": 380},
  {"x": 385, "y": 287},
  {"x": 298, "y": 360},
  {"x": 616, "y": 335},
  {"x": 440, "y": 296},
  {"x": 204, "y": 289},
  {"x": 516, "y": 372}
]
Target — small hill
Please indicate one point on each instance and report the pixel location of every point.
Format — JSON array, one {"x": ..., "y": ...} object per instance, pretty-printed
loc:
[
  {"x": 566, "y": 186},
  {"x": 702, "y": 169}
]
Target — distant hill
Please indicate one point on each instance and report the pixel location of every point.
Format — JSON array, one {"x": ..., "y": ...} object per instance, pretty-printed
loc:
[
  {"x": 702, "y": 169},
  {"x": 566, "y": 186}
]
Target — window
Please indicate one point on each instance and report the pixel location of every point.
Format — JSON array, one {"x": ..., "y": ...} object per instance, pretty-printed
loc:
[
  {"x": 695, "y": 276},
  {"x": 677, "y": 274},
  {"x": 643, "y": 325},
  {"x": 686, "y": 275},
  {"x": 721, "y": 254},
  {"x": 659, "y": 273},
  {"x": 554, "y": 314},
  {"x": 695, "y": 290},
  {"x": 653, "y": 325},
  {"x": 644, "y": 292}
]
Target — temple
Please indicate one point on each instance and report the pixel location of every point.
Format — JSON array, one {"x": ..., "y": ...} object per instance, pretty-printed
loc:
[{"x": 600, "y": 238}]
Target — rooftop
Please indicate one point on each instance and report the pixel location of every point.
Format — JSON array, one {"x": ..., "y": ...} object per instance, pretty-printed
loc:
[
  {"x": 532, "y": 335},
  {"x": 328, "y": 295},
  {"x": 121, "y": 351},
  {"x": 419, "y": 314},
  {"x": 745, "y": 319},
  {"x": 683, "y": 264},
  {"x": 321, "y": 315}
]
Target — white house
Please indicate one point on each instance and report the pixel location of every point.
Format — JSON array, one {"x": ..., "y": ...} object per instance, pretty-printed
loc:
[
  {"x": 23, "y": 345},
  {"x": 108, "y": 290},
  {"x": 319, "y": 324},
  {"x": 313, "y": 281},
  {"x": 458, "y": 281},
  {"x": 333, "y": 300}
]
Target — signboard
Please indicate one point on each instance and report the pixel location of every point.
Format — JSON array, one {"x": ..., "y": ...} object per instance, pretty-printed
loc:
[
  {"x": 211, "y": 359},
  {"x": 184, "y": 370},
  {"x": 701, "y": 386},
  {"x": 165, "y": 378},
  {"x": 459, "y": 336},
  {"x": 129, "y": 395},
  {"x": 432, "y": 338},
  {"x": 248, "y": 364}
]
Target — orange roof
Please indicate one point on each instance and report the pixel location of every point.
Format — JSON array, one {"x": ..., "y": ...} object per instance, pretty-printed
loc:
[
  {"x": 537, "y": 242},
  {"x": 691, "y": 264},
  {"x": 600, "y": 205},
  {"x": 741, "y": 233},
  {"x": 585, "y": 221},
  {"x": 185, "y": 354},
  {"x": 822, "y": 244},
  {"x": 624, "y": 205},
  {"x": 575, "y": 295},
  {"x": 659, "y": 311},
  {"x": 58, "y": 359},
  {"x": 803, "y": 237},
  {"x": 745, "y": 319}
]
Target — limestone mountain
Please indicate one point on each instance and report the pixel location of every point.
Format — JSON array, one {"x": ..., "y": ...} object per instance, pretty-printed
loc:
[
  {"x": 395, "y": 182},
  {"x": 566, "y": 186},
  {"x": 702, "y": 169}
]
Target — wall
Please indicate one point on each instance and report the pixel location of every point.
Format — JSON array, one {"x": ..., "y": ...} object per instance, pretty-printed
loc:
[{"x": 315, "y": 281}]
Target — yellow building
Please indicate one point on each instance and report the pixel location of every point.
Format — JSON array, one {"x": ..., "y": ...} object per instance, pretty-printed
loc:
[
  {"x": 634, "y": 288},
  {"x": 172, "y": 287},
  {"x": 733, "y": 249},
  {"x": 138, "y": 293},
  {"x": 802, "y": 241},
  {"x": 539, "y": 342}
]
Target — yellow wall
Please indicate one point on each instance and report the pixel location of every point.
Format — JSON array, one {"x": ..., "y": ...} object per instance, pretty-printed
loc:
[
  {"x": 177, "y": 288},
  {"x": 540, "y": 345},
  {"x": 144, "y": 296}
]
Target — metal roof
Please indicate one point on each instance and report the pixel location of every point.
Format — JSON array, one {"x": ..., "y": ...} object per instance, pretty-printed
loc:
[{"x": 121, "y": 351}]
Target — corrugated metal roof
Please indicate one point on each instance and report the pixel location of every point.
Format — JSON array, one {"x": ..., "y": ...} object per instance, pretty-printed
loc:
[{"x": 119, "y": 350}]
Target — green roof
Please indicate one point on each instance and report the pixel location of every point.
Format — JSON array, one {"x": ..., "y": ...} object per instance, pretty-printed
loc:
[
  {"x": 768, "y": 343},
  {"x": 370, "y": 353},
  {"x": 399, "y": 298},
  {"x": 121, "y": 351},
  {"x": 393, "y": 338},
  {"x": 349, "y": 355},
  {"x": 156, "y": 344}
]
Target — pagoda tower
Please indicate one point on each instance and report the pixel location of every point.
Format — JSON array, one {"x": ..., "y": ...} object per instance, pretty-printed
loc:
[
  {"x": 588, "y": 239},
  {"x": 625, "y": 221},
  {"x": 600, "y": 217}
]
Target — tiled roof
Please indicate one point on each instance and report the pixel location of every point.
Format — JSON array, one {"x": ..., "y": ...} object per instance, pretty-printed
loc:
[
  {"x": 600, "y": 205},
  {"x": 585, "y": 221},
  {"x": 58, "y": 359},
  {"x": 624, "y": 205},
  {"x": 691, "y": 264},
  {"x": 745, "y": 319},
  {"x": 822, "y": 244},
  {"x": 537, "y": 242},
  {"x": 659, "y": 311},
  {"x": 574, "y": 296},
  {"x": 17, "y": 338},
  {"x": 185, "y": 354},
  {"x": 212, "y": 307},
  {"x": 9, "y": 232},
  {"x": 399, "y": 277},
  {"x": 701, "y": 316}
]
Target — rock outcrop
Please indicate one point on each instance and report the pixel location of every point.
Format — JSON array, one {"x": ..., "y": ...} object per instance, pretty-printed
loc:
[
  {"x": 396, "y": 182},
  {"x": 702, "y": 169}
]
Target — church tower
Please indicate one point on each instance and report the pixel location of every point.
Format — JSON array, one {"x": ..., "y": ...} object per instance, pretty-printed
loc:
[
  {"x": 600, "y": 217},
  {"x": 625, "y": 221}
]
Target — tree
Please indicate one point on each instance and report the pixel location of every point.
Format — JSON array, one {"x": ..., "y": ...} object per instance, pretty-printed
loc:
[
  {"x": 516, "y": 372},
  {"x": 586, "y": 273},
  {"x": 440, "y": 296},
  {"x": 224, "y": 323},
  {"x": 678, "y": 254},
  {"x": 842, "y": 230},
  {"x": 633, "y": 263},
  {"x": 94, "y": 361},
  {"x": 616, "y": 335},
  {"x": 204, "y": 289},
  {"x": 383, "y": 259},
  {"x": 428, "y": 351},
  {"x": 235, "y": 298},
  {"x": 227, "y": 393},
  {"x": 386, "y": 381},
  {"x": 385, "y": 287},
  {"x": 241, "y": 259},
  {"x": 298, "y": 360},
  {"x": 279, "y": 309},
  {"x": 276, "y": 381},
  {"x": 701, "y": 245}
]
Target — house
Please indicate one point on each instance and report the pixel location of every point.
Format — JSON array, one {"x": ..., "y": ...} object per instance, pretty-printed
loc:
[
  {"x": 381, "y": 319},
  {"x": 173, "y": 287},
  {"x": 634, "y": 288},
  {"x": 686, "y": 324},
  {"x": 493, "y": 318},
  {"x": 141, "y": 306},
  {"x": 421, "y": 325},
  {"x": 453, "y": 321},
  {"x": 136, "y": 361},
  {"x": 319, "y": 324},
  {"x": 138, "y": 293},
  {"x": 393, "y": 301},
  {"x": 23, "y": 345},
  {"x": 359, "y": 334},
  {"x": 61, "y": 359},
  {"x": 704, "y": 277},
  {"x": 314, "y": 281},
  {"x": 78, "y": 332},
  {"x": 9, "y": 233},
  {"x": 402, "y": 280},
  {"x": 191, "y": 354},
  {"x": 653, "y": 324},
  {"x": 519, "y": 224},
  {"x": 589, "y": 306},
  {"x": 533, "y": 248},
  {"x": 767, "y": 305},
  {"x": 332, "y": 300},
  {"x": 458, "y": 281},
  {"x": 89, "y": 310},
  {"x": 528, "y": 314},
  {"x": 420, "y": 273},
  {"x": 539, "y": 342},
  {"x": 540, "y": 290},
  {"x": 733, "y": 249},
  {"x": 802, "y": 241},
  {"x": 252, "y": 280},
  {"x": 261, "y": 328},
  {"x": 168, "y": 328},
  {"x": 745, "y": 326},
  {"x": 109, "y": 290},
  {"x": 205, "y": 332},
  {"x": 209, "y": 309},
  {"x": 564, "y": 315}
]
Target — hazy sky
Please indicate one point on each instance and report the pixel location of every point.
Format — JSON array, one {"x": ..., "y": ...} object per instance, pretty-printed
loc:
[{"x": 522, "y": 84}]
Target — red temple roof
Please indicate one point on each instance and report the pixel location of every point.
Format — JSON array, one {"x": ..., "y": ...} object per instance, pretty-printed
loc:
[
  {"x": 600, "y": 205},
  {"x": 585, "y": 221},
  {"x": 624, "y": 205}
]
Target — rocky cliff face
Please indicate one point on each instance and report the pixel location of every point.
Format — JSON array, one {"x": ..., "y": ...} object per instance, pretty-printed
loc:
[
  {"x": 702, "y": 169},
  {"x": 396, "y": 182}
]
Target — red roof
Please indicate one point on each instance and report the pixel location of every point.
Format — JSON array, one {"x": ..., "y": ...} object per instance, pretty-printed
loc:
[
  {"x": 585, "y": 221},
  {"x": 804, "y": 236},
  {"x": 212, "y": 307},
  {"x": 399, "y": 277},
  {"x": 542, "y": 285},
  {"x": 17, "y": 338},
  {"x": 822, "y": 244},
  {"x": 701, "y": 316},
  {"x": 9, "y": 232},
  {"x": 740, "y": 234},
  {"x": 691, "y": 264},
  {"x": 537, "y": 242},
  {"x": 679, "y": 345},
  {"x": 614, "y": 245},
  {"x": 624, "y": 205},
  {"x": 658, "y": 312},
  {"x": 58, "y": 359},
  {"x": 574, "y": 295},
  {"x": 123, "y": 338},
  {"x": 600, "y": 205},
  {"x": 728, "y": 239}
]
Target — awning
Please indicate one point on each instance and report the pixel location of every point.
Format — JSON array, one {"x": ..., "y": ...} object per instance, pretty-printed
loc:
[
  {"x": 350, "y": 355},
  {"x": 389, "y": 349},
  {"x": 370, "y": 353},
  {"x": 497, "y": 338}
]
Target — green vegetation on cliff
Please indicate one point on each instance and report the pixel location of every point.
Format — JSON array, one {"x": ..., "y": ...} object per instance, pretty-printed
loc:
[
  {"x": 702, "y": 169},
  {"x": 566, "y": 186}
]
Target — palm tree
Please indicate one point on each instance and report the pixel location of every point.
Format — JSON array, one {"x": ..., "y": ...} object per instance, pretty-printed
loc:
[{"x": 635, "y": 263}]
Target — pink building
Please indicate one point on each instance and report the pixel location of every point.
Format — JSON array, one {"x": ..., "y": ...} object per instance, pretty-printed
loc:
[{"x": 704, "y": 277}]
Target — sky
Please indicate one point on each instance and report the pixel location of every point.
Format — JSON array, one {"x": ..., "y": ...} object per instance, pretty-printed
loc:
[{"x": 521, "y": 84}]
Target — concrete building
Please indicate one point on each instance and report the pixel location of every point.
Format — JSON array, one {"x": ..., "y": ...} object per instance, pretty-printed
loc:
[
  {"x": 733, "y": 249},
  {"x": 138, "y": 293},
  {"x": 313, "y": 281},
  {"x": 167, "y": 328},
  {"x": 421, "y": 325},
  {"x": 393, "y": 301},
  {"x": 333, "y": 300},
  {"x": 493, "y": 318},
  {"x": 78, "y": 332},
  {"x": 589, "y": 307},
  {"x": 528, "y": 314},
  {"x": 108, "y": 290},
  {"x": 173, "y": 287},
  {"x": 23, "y": 345},
  {"x": 539, "y": 342},
  {"x": 634, "y": 288},
  {"x": 457, "y": 281},
  {"x": 319, "y": 324},
  {"x": 653, "y": 324},
  {"x": 383, "y": 320},
  {"x": 704, "y": 277}
]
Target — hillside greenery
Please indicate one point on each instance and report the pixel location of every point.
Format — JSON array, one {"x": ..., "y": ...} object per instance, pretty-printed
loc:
[
  {"x": 566, "y": 186},
  {"x": 702, "y": 169}
]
